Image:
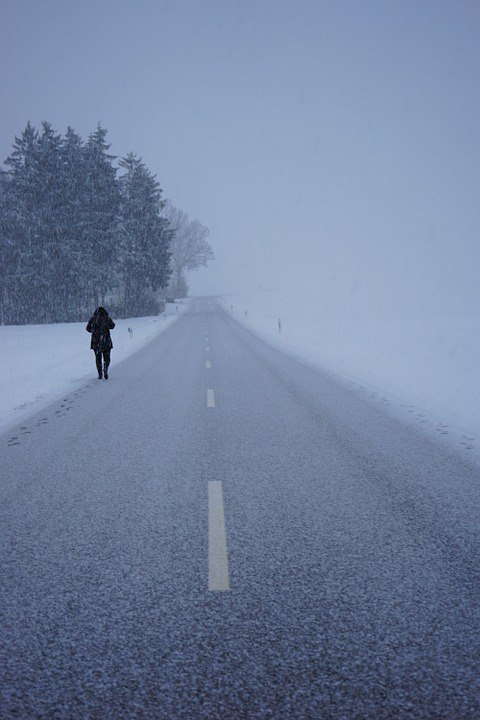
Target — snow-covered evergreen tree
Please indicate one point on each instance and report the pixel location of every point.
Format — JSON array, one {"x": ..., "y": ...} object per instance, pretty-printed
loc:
[
  {"x": 21, "y": 210},
  {"x": 101, "y": 230},
  {"x": 33, "y": 211},
  {"x": 49, "y": 265},
  {"x": 75, "y": 286},
  {"x": 72, "y": 233},
  {"x": 144, "y": 258},
  {"x": 9, "y": 251}
]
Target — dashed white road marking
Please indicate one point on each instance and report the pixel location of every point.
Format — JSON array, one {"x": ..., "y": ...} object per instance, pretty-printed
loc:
[
  {"x": 208, "y": 364},
  {"x": 210, "y": 398},
  {"x": 218, "y": 578}
]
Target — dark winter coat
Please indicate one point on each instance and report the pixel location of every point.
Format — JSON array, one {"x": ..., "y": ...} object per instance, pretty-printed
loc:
[{"x": 100, "y": 325}]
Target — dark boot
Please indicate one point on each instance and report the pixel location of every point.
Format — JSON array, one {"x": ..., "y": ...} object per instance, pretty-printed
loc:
[{"x": 105, "y": 372}]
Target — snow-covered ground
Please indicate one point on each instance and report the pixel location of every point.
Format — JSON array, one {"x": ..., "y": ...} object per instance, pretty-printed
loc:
[
  {"x": 426, "y": 369},
  {"x": 422, "y": 368},
  {"x": 40, "y": 362}
]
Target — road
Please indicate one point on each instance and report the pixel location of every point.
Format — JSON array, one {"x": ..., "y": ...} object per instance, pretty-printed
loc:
[{"x": 219, "y": 531}]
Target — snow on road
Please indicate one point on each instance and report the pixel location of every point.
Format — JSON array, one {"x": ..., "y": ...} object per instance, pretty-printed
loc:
[
  {"x": 424, "y": 369},
  {"x": 290, "y": 552},
  {"x": 40, "y": 362}
]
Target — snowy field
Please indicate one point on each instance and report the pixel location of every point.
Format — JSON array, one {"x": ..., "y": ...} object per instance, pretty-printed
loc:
[
  {"x": 425, "y": 369},
  {"x": 40, "y": 362}
]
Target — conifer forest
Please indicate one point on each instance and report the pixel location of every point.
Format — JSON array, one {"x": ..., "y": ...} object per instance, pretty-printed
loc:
[{"x": 79, "y": 229}]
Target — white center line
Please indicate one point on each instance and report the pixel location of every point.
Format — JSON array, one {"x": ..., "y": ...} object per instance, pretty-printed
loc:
[
  {"x": 210, "y": 398},
  {"x": 208, "y": 364},
  {"x": 217, "y": 539}
]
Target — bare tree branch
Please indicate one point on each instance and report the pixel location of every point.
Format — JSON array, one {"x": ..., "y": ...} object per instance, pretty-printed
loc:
[{"x": 190, "y": 249}]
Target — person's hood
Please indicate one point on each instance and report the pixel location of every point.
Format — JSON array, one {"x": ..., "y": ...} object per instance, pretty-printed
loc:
[{"x": 100, "y": 312}]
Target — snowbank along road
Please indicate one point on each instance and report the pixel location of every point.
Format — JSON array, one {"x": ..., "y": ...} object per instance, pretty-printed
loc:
[{"x": 221, "y": 532}]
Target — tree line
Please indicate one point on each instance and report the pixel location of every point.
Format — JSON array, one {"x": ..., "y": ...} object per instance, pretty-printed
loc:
[{"x": 77, "y": 232}]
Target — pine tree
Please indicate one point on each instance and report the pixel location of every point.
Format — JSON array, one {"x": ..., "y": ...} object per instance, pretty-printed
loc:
[
  {"x": 22, "y": 219},
  {"x": 50, "y": 241},
  {"x": 146, "y": 236},
  {"x": 34, "y": 201},
  {"x": 9, "y": 251},
  {"x": 100, "y": 232},
  {"x": 75, "y": 273}
]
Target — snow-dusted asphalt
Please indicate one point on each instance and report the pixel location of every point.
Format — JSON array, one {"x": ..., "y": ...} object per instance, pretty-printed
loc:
[{"x": 353, "y": 547}]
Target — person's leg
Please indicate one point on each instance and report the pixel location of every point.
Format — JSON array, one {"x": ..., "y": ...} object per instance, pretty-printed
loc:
[
  {"x": 106, "y": 363},
  {"x": 98, "y": 360}
]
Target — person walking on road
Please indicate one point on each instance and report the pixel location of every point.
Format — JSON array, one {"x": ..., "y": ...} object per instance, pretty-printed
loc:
[{"x": 100, "y": 325}]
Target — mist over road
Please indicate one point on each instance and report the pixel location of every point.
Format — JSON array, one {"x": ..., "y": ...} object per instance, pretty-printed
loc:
[{"x": 219, "y": 531}]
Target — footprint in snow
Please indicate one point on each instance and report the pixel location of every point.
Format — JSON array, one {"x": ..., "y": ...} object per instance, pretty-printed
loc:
[{"x": 467, "y": 442}]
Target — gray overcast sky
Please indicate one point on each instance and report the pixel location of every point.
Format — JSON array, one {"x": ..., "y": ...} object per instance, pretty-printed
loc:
[{"x": 333, "y": 143}]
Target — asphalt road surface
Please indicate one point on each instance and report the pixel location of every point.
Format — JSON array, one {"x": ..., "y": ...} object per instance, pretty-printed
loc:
[{"x": 219, "y": 531}]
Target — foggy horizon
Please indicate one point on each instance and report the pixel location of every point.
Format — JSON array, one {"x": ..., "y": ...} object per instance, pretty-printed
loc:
[{"x": 327, "y": 146}]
